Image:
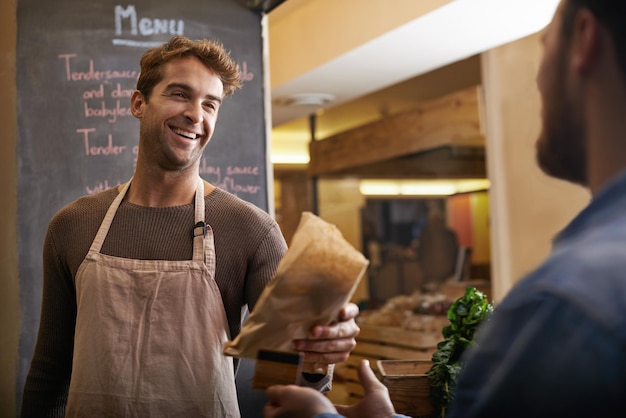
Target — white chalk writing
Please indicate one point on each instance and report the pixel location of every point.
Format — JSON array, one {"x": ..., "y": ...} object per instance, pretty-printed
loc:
[{"x": 145, "y": 26}]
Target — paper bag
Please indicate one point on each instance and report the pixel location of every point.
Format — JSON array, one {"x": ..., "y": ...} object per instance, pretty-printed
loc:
[{"x": 314, "y": 280}]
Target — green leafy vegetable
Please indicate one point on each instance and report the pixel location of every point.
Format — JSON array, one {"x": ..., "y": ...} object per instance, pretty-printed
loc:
[{"x": 465, "y": 315}]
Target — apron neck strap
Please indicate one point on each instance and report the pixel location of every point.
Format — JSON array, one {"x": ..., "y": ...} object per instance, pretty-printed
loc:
[
  {"x": 200, "y": 226},
  {"x": 96, "y": 245},
  {"x": 199, "y": 230}
]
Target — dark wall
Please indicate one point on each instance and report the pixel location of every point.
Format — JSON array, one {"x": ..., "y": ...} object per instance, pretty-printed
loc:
[{"x": 77, "y": 63}]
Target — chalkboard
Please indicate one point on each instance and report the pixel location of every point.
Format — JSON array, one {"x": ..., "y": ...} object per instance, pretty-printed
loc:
[{"x": 77, "y": 64}]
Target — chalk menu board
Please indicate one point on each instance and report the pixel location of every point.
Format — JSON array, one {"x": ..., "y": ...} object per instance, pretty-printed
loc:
[{"x": 77, "y": 65}]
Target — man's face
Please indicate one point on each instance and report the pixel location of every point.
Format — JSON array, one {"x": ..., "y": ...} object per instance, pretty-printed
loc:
[
  {"x": 178, "y": 120},
  {"x": 561, "y": 148}
]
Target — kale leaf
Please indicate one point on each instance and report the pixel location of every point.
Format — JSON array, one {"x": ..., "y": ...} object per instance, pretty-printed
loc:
[{"x": 465, "y": 315}]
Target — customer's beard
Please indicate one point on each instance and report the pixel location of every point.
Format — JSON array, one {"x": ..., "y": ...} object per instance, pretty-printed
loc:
[{"x": 561, "y": 148}]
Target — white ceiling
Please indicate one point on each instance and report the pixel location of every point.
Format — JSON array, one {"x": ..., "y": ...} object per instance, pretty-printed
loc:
[{"x": 457, "y": 30}]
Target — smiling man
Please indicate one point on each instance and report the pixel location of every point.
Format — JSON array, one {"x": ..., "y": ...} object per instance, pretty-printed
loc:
[{"x": 144, "y": 283}]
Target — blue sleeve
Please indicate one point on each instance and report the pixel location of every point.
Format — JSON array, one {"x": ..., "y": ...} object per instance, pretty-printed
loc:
[
  {"x": 542, "y": 357},
  {"x": 329, "y": 415}
]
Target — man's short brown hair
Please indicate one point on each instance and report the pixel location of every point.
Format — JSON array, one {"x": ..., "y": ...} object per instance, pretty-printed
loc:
[{"x": 211, "y": 53}]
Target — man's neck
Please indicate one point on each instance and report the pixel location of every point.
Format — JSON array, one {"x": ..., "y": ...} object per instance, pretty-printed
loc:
[{"x": 170, "y": 189}]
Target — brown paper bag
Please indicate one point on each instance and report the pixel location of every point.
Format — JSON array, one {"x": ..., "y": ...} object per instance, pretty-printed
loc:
[{"x": 315, "y": 279}]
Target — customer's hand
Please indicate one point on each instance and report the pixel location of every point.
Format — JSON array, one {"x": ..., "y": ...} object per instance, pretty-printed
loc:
[
  {"x": 298, "y": 402},
  {"x": 295, "y": 401},
  {"x": 375, "y": 403},
  {"x": 329, "y": 344}
]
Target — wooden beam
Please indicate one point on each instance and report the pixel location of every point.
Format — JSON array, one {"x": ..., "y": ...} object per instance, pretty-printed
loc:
[
  {"x": 452, "y": 120},
  {"x": 446, "y": 162}
]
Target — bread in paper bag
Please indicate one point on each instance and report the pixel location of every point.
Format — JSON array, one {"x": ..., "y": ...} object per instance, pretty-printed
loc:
[{"x": 314, "y": 280}]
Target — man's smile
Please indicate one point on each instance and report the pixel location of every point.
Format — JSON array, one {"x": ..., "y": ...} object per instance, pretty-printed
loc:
[{"x": 186, "y": 134}]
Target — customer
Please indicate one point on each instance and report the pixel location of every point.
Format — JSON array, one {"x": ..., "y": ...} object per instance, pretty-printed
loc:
[
  {"x": 144, "y": 283},
  {"x": 556, "y": 345}
]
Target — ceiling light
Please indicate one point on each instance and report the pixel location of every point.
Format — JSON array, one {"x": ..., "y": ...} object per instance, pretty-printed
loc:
[
  {"x": 421, "y": 187},
  {"x": 378, "y": 188},
  {"x": 289, "y": 158},
  {"x": 305, "y": 99}
]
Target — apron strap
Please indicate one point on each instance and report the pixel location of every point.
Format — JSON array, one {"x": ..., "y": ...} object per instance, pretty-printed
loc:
[
  {"x": 96, "y": 245},
  {"x": 200, "y": 229}
]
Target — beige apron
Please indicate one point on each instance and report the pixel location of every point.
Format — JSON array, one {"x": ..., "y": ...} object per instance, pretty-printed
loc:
[{"x": 149, "y": 333}]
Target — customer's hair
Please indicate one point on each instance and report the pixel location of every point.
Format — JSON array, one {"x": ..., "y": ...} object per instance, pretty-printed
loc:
[
  {"x": 612, "y": 15},
  {"x": 211, "y": 53}
]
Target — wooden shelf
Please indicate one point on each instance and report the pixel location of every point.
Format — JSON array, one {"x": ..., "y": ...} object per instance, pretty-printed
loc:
[{"x": 452, "y": 123}]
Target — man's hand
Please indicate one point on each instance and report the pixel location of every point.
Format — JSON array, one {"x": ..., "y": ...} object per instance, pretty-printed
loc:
[
  {"x": 330, "y": 344},
  {"x": 375, "y": 403},
  {"x": 298, "y": 402},
  {"x": 295, "y": 401}
]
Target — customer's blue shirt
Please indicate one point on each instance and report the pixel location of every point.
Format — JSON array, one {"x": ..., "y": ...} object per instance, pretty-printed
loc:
[
  {"x": 328, "y": 415},
  {"x": 556, "y": 345}
]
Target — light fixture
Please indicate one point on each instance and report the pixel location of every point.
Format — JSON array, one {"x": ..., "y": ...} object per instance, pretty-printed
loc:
[
  {"x": 448, "y": 187},
  {"x": 305, "y": 99},
  {"x": 294, "y": 158}
]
